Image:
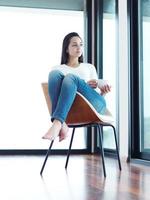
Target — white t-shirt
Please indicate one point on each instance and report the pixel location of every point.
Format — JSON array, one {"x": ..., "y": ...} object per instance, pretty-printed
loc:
[{"x": 85, "y": 71}]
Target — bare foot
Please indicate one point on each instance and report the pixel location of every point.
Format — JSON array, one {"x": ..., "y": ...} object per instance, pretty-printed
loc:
[
  {"x": 63, "y": 132},
  {"x": 54, "y": 130}
]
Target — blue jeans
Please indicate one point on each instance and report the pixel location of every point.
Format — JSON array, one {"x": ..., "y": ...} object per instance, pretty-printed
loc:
[{"x": 62, "y": 91}]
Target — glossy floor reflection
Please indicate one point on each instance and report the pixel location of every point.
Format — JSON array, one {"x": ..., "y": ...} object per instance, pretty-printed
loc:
[{"x": 20, "y": 179}]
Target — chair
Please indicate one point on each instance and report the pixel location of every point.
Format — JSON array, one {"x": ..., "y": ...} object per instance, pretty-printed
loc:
[{"x": 87, "y": 118}]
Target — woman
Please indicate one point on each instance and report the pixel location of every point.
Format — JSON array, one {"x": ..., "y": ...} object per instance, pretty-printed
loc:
[{"x": 66, "y": 80}]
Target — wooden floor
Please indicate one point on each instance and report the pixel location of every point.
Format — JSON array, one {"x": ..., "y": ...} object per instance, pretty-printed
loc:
[{"x": 20, "y": 179}]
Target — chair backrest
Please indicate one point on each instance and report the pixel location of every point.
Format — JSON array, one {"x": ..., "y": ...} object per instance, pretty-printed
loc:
[{"x": 81, "y": 112}]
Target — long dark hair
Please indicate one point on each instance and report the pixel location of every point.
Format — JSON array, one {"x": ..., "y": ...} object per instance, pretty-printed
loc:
[{"x": 66, "y": 42}]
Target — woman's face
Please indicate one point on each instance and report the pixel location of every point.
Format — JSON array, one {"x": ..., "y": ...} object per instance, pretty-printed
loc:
[{"x": 75, "y": 47}]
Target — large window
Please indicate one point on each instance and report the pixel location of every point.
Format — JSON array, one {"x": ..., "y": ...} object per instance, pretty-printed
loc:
[
  {"x": 144, "y": 76},
  {"x": 139, "y": 90},
  {"x": 106, "y": 60},
  {"x": 109, "y": 72},
  {"x": 30, "y": 43},
  {"x": 110, "y": 64}
]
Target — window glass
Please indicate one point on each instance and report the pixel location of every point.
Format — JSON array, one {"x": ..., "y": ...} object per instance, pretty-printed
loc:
[
  {"x": 109, "y": 71},
  {"x": 145, "y": 62},
  {"x": 30, "y": 44}
]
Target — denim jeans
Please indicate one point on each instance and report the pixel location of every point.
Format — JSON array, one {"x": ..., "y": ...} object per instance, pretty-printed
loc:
[{"x": 62, "y": 91}]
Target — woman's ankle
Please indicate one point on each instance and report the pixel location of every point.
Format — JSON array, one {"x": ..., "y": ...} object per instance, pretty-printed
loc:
[{"x": 57, "y": 122}]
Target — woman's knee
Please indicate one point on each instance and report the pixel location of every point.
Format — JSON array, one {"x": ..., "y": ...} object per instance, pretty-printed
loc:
[
  {"x": 71, "y": 77},
  {"x": 55, "y": 74}
]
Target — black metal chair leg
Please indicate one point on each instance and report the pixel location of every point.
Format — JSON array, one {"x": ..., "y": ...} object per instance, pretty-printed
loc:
[
  {"x": 46, "y": 157},
  {"x": 102, "y": 150},
  {"x": 117, "y": 149},
  {"x": 69, "y": 150}
]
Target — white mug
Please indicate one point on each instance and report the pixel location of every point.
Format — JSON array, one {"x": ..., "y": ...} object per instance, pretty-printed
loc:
[{"x": 101, "y": 83}]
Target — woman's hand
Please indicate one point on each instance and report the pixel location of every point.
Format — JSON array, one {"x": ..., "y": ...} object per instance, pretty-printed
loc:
[
  {"x": 93, "y": 83},
  {"x": 101, "y": 84}
]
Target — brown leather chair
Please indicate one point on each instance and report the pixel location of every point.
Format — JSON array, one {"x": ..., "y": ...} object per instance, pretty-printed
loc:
[{"x": 83, "y": 114}]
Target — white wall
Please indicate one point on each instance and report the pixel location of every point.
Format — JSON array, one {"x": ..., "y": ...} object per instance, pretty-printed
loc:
[{"x": 123, "y": 79}]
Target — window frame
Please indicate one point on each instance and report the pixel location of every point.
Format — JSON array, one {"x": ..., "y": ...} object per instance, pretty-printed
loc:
[{"x": 136, "y": 123}]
